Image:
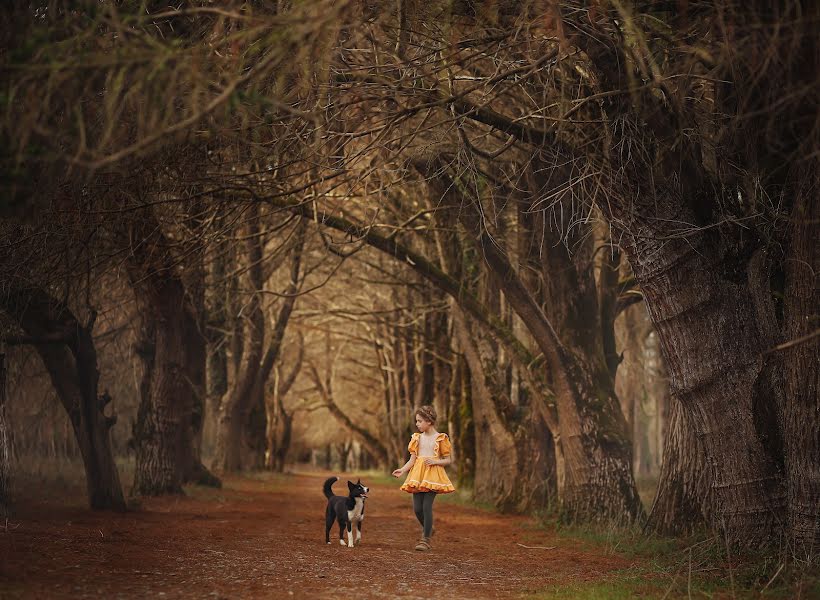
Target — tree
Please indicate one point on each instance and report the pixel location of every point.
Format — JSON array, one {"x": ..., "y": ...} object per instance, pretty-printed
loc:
[{"x": 67, "y": 350}]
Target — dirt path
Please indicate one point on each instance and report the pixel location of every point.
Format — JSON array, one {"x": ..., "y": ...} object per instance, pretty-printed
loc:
[{"x": 264, "y": 538}]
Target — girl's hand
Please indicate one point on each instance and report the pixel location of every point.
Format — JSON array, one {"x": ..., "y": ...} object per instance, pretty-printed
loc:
[
  {"x": 397, "y": 473},
  {"x": 430, "y": 462}
]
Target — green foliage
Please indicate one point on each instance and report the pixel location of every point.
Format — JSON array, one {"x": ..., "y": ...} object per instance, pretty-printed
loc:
[{"x": 628, "y": 583}]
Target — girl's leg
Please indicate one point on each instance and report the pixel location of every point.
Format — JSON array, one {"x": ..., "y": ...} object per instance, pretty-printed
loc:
[
  {"x": 427, "y": 510},
  {"x": 418, "y": 506}
]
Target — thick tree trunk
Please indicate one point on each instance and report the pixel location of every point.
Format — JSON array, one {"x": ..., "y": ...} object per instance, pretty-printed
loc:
[
  {"x": 195, "y": 376},
  {"x": 5, "y": 458},
  {"x": 173, "y": 352},
  {"x": 163, "y": 433},
  {"x": 704, "y": 312},
  {"x": 802, "y": 369},
  {"x": 683, "y": 499},
  {"x": 68, "y": 352}
]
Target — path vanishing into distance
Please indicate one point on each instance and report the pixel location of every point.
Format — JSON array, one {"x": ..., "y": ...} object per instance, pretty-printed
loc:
[{"x": 263, "y": 537}]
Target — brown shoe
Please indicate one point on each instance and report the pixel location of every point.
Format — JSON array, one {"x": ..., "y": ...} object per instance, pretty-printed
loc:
[{"x": 423, "y": 545}]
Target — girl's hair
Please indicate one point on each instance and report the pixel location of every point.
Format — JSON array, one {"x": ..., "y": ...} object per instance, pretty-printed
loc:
[{"x": 427, "y": 412}]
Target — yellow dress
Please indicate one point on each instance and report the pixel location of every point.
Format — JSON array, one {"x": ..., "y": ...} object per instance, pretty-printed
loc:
[{"x": 424, "y": 478}]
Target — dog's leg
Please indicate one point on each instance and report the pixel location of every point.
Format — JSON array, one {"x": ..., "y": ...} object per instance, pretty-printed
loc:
[
  {"x": 328, "y": 524},
  {"x": 349, "y": 534},
  {"x": 359, "y": 530},
  {"x": 341, "y": 533}
]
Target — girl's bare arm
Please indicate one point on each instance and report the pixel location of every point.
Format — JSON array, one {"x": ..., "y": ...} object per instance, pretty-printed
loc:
[{"x": 407, "y": 466}]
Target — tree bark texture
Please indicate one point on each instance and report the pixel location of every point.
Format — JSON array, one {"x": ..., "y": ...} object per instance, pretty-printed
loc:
[
  {"x": 5, "y": 458},
  {"x": 703, "y": 310},
  {"x": 802, "y": 368},
  {"x": 163, "y": 432},
  {"x": 172, "y": 348},
  {"x": 683, "y": 500}
]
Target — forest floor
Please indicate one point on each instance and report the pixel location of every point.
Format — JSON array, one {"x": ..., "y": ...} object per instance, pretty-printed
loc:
[{"x": 263, "y": 537}]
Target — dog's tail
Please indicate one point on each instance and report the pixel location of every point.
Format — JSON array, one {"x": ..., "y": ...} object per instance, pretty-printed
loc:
[{"x": 327, "y": 488}]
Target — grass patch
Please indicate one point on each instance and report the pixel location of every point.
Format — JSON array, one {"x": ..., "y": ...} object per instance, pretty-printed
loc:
[
  {"x": 647, "y": 486},
  {"x": 698, "y": 566},
  {"x": 621, "y": 585}
]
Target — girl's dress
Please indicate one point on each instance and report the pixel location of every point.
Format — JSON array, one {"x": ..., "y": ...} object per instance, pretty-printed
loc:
[{"x": 433, "y": 478}]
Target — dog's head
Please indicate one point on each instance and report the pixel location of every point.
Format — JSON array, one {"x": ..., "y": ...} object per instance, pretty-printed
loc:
[{"x": 357, "y": 490}]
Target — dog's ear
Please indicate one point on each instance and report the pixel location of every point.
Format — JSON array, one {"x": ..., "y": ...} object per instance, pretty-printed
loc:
[
  {"x": 359, "y": 481},
  {"x": 350, "y": 485}
]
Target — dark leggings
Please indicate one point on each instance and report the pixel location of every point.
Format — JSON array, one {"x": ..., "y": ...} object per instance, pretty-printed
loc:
[{"x": 423, "y": 507}]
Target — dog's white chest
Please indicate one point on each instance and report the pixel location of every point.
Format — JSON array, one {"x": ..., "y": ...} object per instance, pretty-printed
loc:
[{"x": 356, "y": 513}]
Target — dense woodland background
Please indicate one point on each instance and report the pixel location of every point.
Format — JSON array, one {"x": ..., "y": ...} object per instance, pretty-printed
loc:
[{"x": 243, "y": 236}]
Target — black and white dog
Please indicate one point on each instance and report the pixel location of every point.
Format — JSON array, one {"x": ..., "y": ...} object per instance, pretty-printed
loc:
[{"x": 347, "y": 510}]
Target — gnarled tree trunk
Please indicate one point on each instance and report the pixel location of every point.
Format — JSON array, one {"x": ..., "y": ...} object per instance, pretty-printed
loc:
[
  {"x": 68, "y": 352},
  {"x": 172, "y": 349},
  {"x": 163, "y": 432},
  {"x": 704, "y": 312}
]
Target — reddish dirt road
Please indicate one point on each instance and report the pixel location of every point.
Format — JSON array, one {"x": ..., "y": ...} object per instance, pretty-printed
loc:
[{"x": 264, "y": 538}]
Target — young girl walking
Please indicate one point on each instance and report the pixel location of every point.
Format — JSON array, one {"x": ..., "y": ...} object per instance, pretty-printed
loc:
[{"x": 429, "y": 454}]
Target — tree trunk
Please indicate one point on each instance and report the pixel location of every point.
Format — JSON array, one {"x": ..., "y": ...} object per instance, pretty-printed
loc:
[
  {"x": 254, "y": 428},
  {"x": 699, "y": 300},
  {"x": 462, "y": 430},
  {"x": 217, "y": 324},
  {"x": 68, "y": 352},
  {"x": 802, "y": 375},
  {"x": 172, "y": 349},
  {"x": 276, "y": 450},
  {"x": 235, "y": 405},
  {"x": 596, "y": 446},
  {"x": 496, "y": 454},
  {"x": 683, "y": 499},
  {"x": 281, "y": 455},
  {"x": 196, "y": 352},
  {"x": 5, "y": 458},
  {"x": 163, "y": 433}
]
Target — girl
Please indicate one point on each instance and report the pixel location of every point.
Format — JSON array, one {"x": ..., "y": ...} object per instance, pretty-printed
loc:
[{"x": 429, "y": 454}]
